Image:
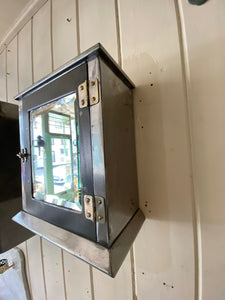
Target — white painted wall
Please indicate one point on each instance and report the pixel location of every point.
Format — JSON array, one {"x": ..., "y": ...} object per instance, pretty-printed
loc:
[{"x": 175, "y": 53}]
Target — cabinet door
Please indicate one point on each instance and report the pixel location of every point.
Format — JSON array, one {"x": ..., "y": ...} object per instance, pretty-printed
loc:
[{"x": 58, "y": 172}]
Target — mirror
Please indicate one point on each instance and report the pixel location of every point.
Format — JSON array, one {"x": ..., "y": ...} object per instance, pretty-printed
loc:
[{"x": 55, "y": 153}]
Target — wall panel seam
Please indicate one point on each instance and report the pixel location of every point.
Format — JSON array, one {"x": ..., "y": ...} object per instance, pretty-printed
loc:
[
  {"x": 92, "y": 283},
  {"x": 28, "y": 270},
  {"x": 6, "y": 72},
  {"x": 17, "y": 62},
  {"x": 43, "y": 270},
  {"x": 195, "y": 205},
  {"x": 78, "y": 26},
  {"x": 133, "y": 275},
  {"x": 28, "y": 266},
  {"x": 118, "y": 32},
  {"x": 64, "y": 277},
  {"x": 51, "y": 36},
  {"x": 32, "y": 51},
  {"x": 6, "y": 95}
]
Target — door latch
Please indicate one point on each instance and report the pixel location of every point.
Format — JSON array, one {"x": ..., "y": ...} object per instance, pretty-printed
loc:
[
  {"x": 4, "y": 266},
  {"x": 23, "y": 155}
]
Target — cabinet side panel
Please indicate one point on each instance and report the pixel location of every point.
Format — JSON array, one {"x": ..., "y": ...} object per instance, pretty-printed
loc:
[{"x": 119, "y": 147}]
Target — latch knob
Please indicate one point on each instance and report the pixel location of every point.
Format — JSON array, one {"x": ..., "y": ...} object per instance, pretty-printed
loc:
[
  {"x": 4, "y": 266},
  {"x": 23, "y": 155}
]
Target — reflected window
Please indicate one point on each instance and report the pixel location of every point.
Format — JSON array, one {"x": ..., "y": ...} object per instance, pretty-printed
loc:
[{"x": 55, "y": 153}]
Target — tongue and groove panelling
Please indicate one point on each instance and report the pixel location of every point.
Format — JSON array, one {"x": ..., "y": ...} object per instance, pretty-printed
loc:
[{"x": 145, "y": 37}]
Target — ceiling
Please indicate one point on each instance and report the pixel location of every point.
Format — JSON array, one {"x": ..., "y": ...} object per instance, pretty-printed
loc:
[{"x": 10, "y": 11}]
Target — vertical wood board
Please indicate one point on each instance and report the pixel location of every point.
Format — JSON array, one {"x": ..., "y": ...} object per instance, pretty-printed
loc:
[
  {"x": 63, "y": 31},
  {"x": 119, "y": 288},
  {"x": 12, "y": 76},
  {"x": 164, "y": 250},
  {"x": 98, "y": 24},
  {"x": 23, "y": 247},
  {"x": 77, "y": 278},
  {"x": 204, "y": 33},
  {"x": 24, "y": 57},
  {"x": 42, "y": 56},
  {"x": 37, "y": 280},
  {"x": 3, "y": 76},
  {"x": 53, "y": 271}
]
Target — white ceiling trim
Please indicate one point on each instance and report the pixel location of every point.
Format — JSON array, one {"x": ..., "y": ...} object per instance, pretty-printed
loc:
[{"x": 24, "y": 17}]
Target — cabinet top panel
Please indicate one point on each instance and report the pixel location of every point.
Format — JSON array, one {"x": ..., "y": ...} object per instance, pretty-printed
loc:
[{"x": 97, "y": 50}]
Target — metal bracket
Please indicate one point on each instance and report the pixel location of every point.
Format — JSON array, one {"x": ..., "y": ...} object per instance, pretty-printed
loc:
[
  {"x": 83, "y": 95},
  {"x": 100, "y": 209},
  {"x": 4, "y": 266},
  {"x": 89, "y": 208},
  {"x": 93, "y": 91}
]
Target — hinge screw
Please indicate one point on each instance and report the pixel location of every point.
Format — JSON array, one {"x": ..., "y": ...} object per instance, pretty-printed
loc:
[
  {"x": 87, "y": 200},
  {"x": 99, "y": 202},
  {"x": 82, "y": 102},
  {"x": 92, "y": 83},
  {"x": 93, "y": 98},
  {"x": 100, "y": 218},
  {"x": 81, "y": 87},
  {"x": 88, "y": 215}
]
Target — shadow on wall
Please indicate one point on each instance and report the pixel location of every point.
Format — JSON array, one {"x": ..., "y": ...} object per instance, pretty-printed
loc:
[
  {"x": 150, "y": 153},
  {"x": 161, "y": 139}
]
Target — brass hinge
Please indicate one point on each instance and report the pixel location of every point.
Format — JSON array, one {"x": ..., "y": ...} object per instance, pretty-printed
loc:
[
  {"x": 94, "y": 208},
  {"x": 93, "y": 91},
  {"x": 83, "y": 95},
  {"x": 88, "y": 93},
  {"x": 100, "y": 209},
  {"x": 89, "y": 208}
]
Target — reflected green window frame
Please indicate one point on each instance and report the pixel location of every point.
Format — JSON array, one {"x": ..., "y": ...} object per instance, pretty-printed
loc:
[{"x": 48, "y": 137}]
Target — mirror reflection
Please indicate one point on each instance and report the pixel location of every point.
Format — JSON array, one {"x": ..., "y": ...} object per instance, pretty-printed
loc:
[{"x": 55, "y": 153}]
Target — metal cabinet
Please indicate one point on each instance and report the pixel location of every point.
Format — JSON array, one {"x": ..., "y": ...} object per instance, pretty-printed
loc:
[{"x": 78, "y": 158}]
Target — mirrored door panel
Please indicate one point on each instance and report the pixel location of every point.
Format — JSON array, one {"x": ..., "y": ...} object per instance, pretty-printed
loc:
[{"x": 55, "y": 153}]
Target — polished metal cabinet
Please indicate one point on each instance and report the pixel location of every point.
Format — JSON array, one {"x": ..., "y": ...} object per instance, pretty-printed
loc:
[{"x": 78, "y": 159}]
